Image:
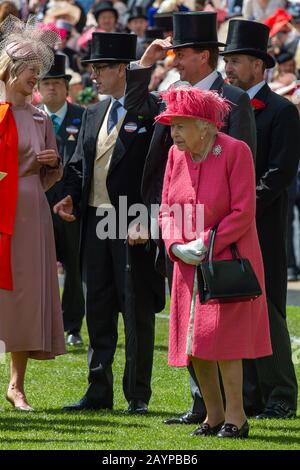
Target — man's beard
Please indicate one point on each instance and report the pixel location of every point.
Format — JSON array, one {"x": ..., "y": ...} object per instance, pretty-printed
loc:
[{"x": 244, "y": 85}]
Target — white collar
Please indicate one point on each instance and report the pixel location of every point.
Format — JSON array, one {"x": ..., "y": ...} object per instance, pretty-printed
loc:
[
  {"x": 121, "y": 100},
  {"x": 207, "y": 82},
  {"x": 61, "y": 113},
  {"x": 255, "y": 89}
]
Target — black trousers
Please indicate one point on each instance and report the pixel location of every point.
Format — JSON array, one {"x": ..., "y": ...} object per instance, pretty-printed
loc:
[
  {"x": 67, "y": 252},
  {"x": 290, "y": 232},
  {"x": 104, "y": 291},
  {"x": 272, "y": 379},
  {"x": 198, "y": 405}
]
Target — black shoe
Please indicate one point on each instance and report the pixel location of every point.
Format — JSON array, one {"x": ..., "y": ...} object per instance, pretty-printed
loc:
[
  {"x": 232, "y": 431},
  {"x": 292, "y": 274},
  {"x": 187, "y": 418},
  {"x": 86, "y": 404},
  {"x": 279, "y": 410},
  {"x": 206, "y": 430},
  {"x": 252, "y": 413},
  {"x": 137, "y": 407}
]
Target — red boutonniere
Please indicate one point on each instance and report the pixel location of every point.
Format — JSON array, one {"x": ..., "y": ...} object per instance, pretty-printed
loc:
[{"x": 257, "y": 104}]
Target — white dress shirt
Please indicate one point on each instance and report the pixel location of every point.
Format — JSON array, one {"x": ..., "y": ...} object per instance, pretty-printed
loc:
[
  {"x": 255, "y": 89},
  {"x": 207, "y": 82},
  {"x": 61, "y": 113},
  {"x": 121, "y": 110}
]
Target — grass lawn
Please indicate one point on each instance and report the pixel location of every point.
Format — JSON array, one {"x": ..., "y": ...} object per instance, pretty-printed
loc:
[{"x": 52, "y": 384}]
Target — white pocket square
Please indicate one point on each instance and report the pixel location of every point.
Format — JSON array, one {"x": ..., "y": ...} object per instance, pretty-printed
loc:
[{"x": 142, "y": 130}]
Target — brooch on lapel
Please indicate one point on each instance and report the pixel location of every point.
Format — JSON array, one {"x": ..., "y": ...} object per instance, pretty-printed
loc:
[
  {"x": 38, "y": 117},
  {"x": 130, "y": 127},
  {"x": 76, "y": 121},
  {"x": 72, "y": 130},
  {"x": 217, "y": 150}
]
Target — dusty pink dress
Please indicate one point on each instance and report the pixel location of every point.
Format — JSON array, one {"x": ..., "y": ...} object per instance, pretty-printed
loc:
[{"x": 30, "y": 315}]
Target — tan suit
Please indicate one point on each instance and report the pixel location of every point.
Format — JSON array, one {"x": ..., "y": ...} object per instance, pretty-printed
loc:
[{"x": 104, "y": 150}]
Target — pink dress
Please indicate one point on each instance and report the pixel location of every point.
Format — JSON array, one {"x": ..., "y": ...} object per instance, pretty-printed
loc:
[
  {"x": 225, "y": 184},
  {"x": 30, "y": 315}
]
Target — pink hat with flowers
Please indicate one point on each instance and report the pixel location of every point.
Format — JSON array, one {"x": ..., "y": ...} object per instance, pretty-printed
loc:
[{"x": 189, "y": 102}]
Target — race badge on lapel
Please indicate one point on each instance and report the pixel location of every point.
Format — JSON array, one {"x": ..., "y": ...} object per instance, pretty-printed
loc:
[
  {"x": 130, "y": 127},
  {"x": 72, "y": 131},
  {"x": 38, "y": 117}
]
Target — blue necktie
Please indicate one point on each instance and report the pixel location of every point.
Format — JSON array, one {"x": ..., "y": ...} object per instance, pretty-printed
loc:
[
  {"x": 55, "y": 122},
  {"x": 113, "y": 116}
]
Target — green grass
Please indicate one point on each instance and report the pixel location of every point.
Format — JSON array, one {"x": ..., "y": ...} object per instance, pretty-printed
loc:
[{"x": 52, "y": 384}]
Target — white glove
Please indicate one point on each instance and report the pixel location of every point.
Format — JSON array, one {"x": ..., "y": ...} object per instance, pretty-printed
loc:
[{"x": 190, "y": 253}]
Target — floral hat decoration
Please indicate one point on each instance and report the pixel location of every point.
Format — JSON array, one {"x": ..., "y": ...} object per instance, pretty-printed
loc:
[{"x": 28, "y": 41}]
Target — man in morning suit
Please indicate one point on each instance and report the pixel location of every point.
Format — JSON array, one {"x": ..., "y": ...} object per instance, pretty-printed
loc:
[
  {"x": 108, "y": 164},
  {"x": 195, "y": 44},
  {"x": 270, "y": 384},
  {"x": 66, "y": 118}
]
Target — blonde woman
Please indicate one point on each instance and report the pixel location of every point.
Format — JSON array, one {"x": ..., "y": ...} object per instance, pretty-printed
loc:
[{"x": 30, "y": 315}]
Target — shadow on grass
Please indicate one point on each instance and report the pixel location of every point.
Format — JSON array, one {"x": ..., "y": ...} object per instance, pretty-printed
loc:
[
  {"x": 12, "y": 440},
  {"x": 157, "y": 347},
  {"x": 84, "y": 349},
  {"x": 281, "y": 429},
  {"x": 63, "y": 425},
  {"x": 77, "y": 350},
  {"x": 116, "y": 412},
  {"x": 279, "y": 439}
]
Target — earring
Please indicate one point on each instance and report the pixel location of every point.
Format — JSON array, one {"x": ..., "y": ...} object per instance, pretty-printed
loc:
[{"x": 202, "y": 137}]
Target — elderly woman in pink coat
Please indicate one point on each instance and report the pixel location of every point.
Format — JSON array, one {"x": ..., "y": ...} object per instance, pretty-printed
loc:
[{"x": 210, "y": 178}]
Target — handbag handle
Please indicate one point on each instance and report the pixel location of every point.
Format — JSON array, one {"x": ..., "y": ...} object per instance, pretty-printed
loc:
[{"x": 233, "y": 248}]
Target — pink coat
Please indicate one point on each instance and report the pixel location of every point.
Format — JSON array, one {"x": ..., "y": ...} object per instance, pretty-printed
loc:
[{"x": 225, "y": 184}]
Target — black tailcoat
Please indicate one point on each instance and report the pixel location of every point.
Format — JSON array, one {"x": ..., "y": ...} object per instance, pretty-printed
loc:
[
  {"x": 103, "y": 261},
  {"x": 277, "y": 158},
  {"x": 270, "y": 381},
  {"x": 126, "y": 167}
]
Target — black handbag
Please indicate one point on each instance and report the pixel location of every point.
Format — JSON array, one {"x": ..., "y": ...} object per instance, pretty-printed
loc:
[{"x": 226, "y": 281}]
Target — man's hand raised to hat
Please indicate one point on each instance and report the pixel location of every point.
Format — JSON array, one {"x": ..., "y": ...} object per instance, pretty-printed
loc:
[
  {"x": 64, "y": 209},
  {"x": 156, "y": 51}
]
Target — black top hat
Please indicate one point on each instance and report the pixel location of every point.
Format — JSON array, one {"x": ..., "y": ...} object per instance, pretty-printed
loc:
[
  {"x": 195, "y": 29},
  {"x": 164, "y": 21},
  {"x": 248, "y": 38},
  {"x": 137, "y": 12},
  {"x": 154, "y": 33},
  {"x": 112, "y": 47},
  {"x": 58, "y": 69},
  {"x": 104, "y": 6}
]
